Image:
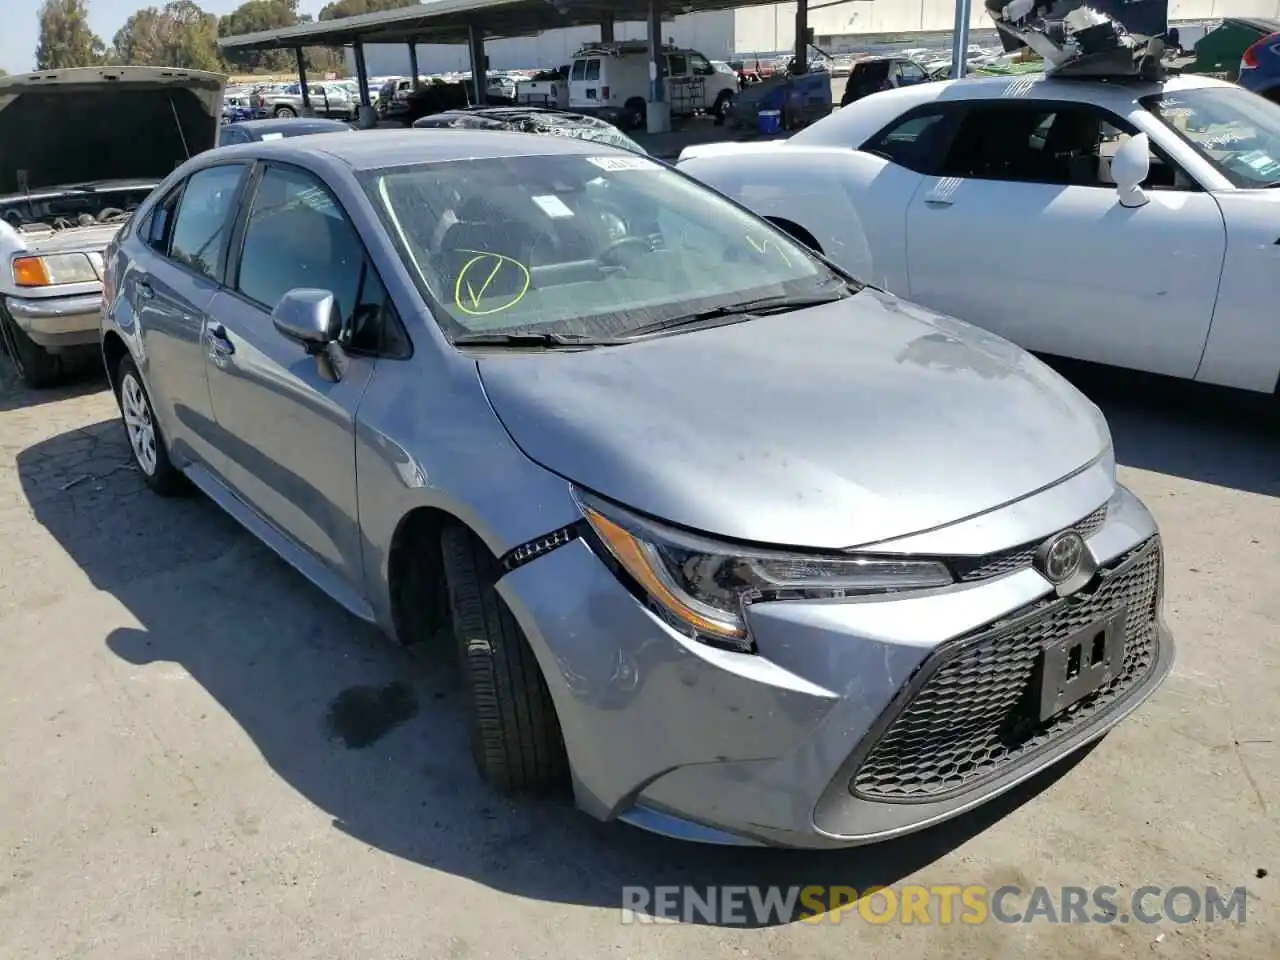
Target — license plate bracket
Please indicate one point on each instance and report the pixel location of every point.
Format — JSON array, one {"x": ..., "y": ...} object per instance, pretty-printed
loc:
[{"x": 1087, "y": 660}]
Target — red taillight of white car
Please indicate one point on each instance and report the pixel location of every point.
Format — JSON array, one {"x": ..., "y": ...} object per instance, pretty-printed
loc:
[{"x": 604, "y": 93}]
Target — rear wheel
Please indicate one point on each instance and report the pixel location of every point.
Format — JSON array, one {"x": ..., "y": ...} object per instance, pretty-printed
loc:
[
  {"x": 285, "y": 112},
  {"x": 36, "y": 366},
  {"x": 637, "y": 113},
  {"x": 515, "y": 734},
  {"x": 143, "y": 431}
]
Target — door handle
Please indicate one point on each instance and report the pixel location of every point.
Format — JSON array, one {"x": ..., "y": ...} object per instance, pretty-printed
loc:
[
  {"x": 220, "y": 344},
  {"x": 144, "y": 290},
  {"x": 938, "y": 201}
]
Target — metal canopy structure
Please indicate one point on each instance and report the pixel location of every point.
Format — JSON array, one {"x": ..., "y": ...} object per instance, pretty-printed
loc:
[
  {"x": 474, "y": 21},
  {"x": 451, "y": 21}
]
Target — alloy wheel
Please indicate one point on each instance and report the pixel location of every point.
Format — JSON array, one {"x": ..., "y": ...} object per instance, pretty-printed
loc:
[{"x": 139, "y": 423}]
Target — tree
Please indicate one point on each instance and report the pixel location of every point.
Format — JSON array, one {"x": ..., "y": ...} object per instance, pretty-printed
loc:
[
  {"x": 65, "y": 37},
  {"x": 250, "y": 18},
  {"x": 353, "y": 8},
  {"x": 180, "y": 34}
]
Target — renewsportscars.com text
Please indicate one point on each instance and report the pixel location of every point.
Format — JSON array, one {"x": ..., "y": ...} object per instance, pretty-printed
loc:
[{"x": 940, "y": 904}]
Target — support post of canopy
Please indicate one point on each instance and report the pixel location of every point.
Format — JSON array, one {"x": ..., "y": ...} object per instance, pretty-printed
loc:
[
  {"x": 475, "y": 44},
  {"x": 960, "y": 39},
  {"x": 301, "y": 61},
  {"x": 657, "y": 110}
]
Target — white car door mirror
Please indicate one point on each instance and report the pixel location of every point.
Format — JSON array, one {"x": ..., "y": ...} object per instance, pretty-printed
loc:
[{"x": 1129, "y": 167}]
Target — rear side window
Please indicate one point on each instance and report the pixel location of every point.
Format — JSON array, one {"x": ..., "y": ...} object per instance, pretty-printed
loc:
[
  {"x": 593, "y": 69},
  {"x": 580, "y": 70},
  {"x": 204, "y": 218},
  {"x": 679, "y": 65},
  {"x": 917, "y": 142}
]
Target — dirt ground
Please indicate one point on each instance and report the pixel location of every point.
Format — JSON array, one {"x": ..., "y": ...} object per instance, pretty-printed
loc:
[{"x": 204, "y": 757}]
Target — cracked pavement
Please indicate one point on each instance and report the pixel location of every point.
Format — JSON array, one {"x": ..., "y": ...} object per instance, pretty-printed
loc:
[{"x": 204, "y": 757}]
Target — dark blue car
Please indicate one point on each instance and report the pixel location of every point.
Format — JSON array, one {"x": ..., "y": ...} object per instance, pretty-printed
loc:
[{"x": 1260, "y": 67}]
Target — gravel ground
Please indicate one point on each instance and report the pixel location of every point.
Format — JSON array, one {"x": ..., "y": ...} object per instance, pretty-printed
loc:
[{"x": 204, "y": 757}]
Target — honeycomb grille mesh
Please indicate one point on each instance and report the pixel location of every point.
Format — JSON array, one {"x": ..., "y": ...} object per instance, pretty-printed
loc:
[
  {"x": 1015, "y": 558},
  {"x": 975, "y": 714}
]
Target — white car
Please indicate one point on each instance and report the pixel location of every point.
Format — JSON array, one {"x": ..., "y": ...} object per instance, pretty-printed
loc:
[{"x": 1123, "y": 222}]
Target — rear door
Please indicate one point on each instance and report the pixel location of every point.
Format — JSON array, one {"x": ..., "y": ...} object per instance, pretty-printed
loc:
[
  {"x": 1019, "y": 230},
  {"x": 288, "y": 432},
  {"x": 173, "y": 280}
]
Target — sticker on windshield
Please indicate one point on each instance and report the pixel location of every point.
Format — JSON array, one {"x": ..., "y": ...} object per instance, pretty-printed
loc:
[
  {"x": 490, "y": 283},
  {"x": 272, "y": 136},
  {"x": 614, "y": 164},
  {"x": 553, "y": 206},
  {"x": 1259, "y": 161}
]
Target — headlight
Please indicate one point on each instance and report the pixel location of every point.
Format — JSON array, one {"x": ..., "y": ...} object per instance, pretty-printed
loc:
[
  {"x": 53, "y": 271},
  {"x": 703, "y": 586}
]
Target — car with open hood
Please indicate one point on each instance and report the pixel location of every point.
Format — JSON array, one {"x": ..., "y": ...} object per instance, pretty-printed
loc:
[
  {"x": 81, "y": 150},
  {"x": 745, "y": 549}
]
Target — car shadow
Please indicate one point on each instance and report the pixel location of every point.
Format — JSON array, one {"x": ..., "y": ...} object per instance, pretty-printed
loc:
[
  {"x": 372, "y": 733},
  {"x": 84, "y": 375},
  {"x": 1229, "y": 438}
]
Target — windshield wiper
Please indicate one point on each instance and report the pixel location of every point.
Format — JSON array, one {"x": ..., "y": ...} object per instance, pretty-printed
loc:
[
  {"x": 546, "y": 339},
  {"x": 747, "y": 310}
]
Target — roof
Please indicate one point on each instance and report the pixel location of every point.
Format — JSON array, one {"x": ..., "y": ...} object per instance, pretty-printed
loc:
[
  {"x": 375, "y": 149},
  {"x": 446, "y": 21}
]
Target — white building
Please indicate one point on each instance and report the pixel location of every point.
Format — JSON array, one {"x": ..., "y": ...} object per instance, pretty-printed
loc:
[{"x": 730, "y": 34}]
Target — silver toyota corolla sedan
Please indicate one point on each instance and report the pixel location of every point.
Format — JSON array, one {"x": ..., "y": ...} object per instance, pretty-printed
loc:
[{"x": 751, "y": 552}]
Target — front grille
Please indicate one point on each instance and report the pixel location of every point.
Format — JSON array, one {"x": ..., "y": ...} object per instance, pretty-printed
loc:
[
  {"x": 970, "y": 713},
  {"x": 1015, "y": 558}
]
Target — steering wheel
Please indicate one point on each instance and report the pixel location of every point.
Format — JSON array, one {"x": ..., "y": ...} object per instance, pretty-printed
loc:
[{"x": 612, "y": 254}]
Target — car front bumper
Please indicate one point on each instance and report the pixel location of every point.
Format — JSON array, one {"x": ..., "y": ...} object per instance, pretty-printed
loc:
[
  {"x": 856, "y": 721},
  {"x": 57, "y": 323}
]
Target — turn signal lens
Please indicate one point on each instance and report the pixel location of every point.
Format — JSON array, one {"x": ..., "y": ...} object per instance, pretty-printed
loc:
[{"x": 53, "y": 271}]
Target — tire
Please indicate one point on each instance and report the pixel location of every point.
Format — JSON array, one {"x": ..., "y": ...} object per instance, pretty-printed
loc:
[
  {"x": 724, "y": 103},
  {"x": 142, "y": 431},
  {"x": 283, "y": 113},
  {"x": 639, "y": 112},
  {"x": 35, "y": 366},
  {"x": 515, "y": 734}
]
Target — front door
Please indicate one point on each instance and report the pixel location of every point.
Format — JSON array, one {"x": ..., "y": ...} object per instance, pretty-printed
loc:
[
  {"x": 1021, "y": 233},
  {"x": 287, "y": 432}
]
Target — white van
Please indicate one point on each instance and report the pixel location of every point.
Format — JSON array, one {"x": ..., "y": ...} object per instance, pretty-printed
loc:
[{"x": 611, "y": 80}]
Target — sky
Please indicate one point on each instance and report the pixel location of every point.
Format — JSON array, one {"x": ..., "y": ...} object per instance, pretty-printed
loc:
[{"x": 21, "y": 28}]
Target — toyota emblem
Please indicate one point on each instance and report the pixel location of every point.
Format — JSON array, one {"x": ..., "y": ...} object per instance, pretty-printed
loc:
[{"x": 1061, "y": 557}]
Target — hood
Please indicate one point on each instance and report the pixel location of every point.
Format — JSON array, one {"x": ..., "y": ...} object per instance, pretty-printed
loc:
[
  {"x": 104, "y": 123},
  {"x": 843, "y": 425}
]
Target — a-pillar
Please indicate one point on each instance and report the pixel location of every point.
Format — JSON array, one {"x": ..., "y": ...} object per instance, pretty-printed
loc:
[
  {"x": 475, "y": 44},
  {"x": 658, "y": 110},
  {"x": 302, "y": 82},
  {"x": 366, "y": 118}
]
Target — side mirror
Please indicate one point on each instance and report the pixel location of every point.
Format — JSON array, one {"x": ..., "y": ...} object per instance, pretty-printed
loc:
[
  {"x": 309, "y": 317},
  {"x": 1129, "y": 167}
]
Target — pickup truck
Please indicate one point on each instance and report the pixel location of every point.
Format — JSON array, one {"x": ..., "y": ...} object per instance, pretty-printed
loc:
[
  {"x": 69, "y": 182},
  {"x": 327, "y": 100},
  {"x": 550, "y": 88}
]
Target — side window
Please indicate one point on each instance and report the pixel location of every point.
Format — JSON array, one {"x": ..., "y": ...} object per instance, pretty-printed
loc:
[
  {"x": 204, "y": 217},
  {"x": 700, "y": 66},
  {"x": 579, "y": 70},
  {"x": 593, "y": 69},
  {"x": 228, "y": 135},
  {"x": 1028, "y": 142},
  {"x": 159, "y": 226},
  {"x": 678, "y": 64},
  {"x": 298, "y": 236},
  {"x": 916, "y": 142}
]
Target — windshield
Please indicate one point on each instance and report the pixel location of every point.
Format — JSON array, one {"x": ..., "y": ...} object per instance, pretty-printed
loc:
[
  {"x": 589, "y": 246},
  {"x": 1235, "y": 130}
]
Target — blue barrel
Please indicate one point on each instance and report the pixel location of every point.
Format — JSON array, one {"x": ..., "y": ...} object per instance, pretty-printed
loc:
[{"x": 769, "y": 121}]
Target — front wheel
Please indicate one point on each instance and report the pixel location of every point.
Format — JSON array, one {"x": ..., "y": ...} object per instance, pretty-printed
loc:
[
  {"x": 723, "y": 107},
  {"x": 515, "y": 734},
  {"x": 35, "y": 365},
  {"x": 637, "y": 113},
  {"x": 143, "y": 430}
]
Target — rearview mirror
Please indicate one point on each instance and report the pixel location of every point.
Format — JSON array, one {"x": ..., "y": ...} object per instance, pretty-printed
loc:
[
  {"x": 308, "y": 316},
  {"x": 1129, "y": 167}
]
